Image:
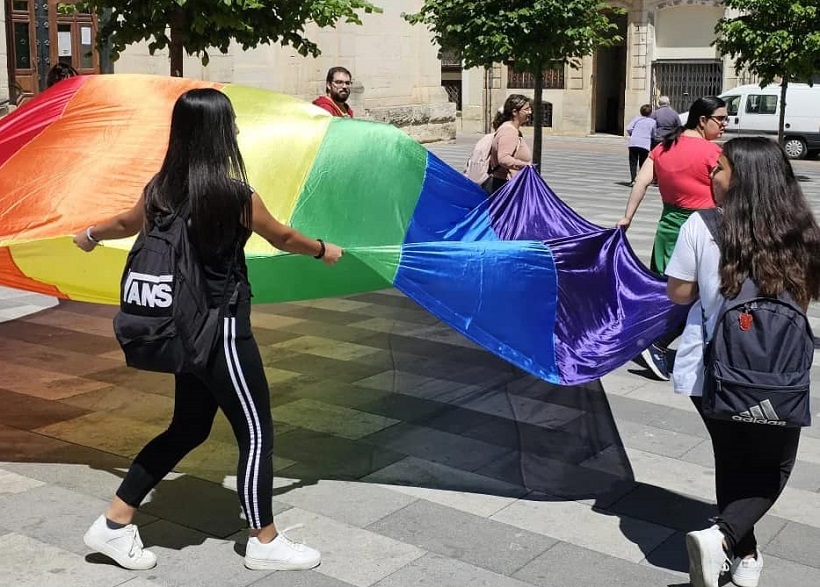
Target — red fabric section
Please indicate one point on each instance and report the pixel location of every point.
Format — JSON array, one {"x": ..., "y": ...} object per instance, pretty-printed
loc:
[{"x": 25, "y": 123}]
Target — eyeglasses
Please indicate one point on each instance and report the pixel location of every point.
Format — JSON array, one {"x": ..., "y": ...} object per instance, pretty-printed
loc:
[
  {"x": 341, "y": 82},
  {"x": 719, "y": 119}
]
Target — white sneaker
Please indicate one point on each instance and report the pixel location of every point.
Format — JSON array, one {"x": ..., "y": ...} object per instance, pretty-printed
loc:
[
  {"x": 706, "y": 556},
  {"x": 123, "y": 545},
  {"x": 746, "y": 571},
  {"x": 281, "y": 554}
]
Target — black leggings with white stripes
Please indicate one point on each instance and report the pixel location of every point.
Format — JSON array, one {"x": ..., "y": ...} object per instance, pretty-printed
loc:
[{"x": 236, "y": 384}]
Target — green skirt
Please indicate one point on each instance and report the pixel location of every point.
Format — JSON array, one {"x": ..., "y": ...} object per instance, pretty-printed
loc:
[{"x": 672, "y": 218}]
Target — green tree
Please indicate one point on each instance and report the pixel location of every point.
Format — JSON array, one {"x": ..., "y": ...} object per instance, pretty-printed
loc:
[
  {"x": 773, "y": 39},
  {"x": 532, "y": 34},
  {"x": 194, "y": 26}
]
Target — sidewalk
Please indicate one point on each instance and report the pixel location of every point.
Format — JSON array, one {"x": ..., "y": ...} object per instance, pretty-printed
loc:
[{"x": 409, "y": 454}]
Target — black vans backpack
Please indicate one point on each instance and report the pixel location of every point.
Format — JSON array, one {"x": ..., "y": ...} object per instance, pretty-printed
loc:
[
  {"x": 758, "y": 362},
  {"x": 166, "y": 321}
]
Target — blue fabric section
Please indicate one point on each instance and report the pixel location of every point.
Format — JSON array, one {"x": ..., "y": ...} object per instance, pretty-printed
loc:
[
  {"x": 501, "y": 294},
  {"x": 450, "y": 208}
]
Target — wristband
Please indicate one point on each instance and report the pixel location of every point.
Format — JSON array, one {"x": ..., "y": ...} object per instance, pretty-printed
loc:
[
  {"x": 321, "y": 251},
  {"x": 89, "y": 237}
]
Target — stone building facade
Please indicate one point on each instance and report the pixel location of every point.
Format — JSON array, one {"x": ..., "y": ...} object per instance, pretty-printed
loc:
[
  {"x": 666, "y": 50},
  {"x": 399, "y": 77}
]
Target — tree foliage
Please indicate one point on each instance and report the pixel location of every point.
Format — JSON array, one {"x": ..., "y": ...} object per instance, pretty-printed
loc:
[
  {"x": 773, "y": 39},
  {"x": 533, "y": 34},
  {"x": 195, "y": 26}
]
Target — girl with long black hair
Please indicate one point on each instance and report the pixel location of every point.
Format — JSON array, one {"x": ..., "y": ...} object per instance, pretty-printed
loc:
[
  {"x": 203, "y": 173},
  {"x": 769, "y": 235}
]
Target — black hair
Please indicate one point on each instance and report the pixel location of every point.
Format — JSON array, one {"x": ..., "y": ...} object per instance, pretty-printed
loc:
[
  {"x": 769, "y": 233},
  {"x": 646, "y": 110},
  {"x": 59, "y": 72},
  {"x": 704, "y": 106},
  {"x": 204, "y": 168},
  {"x": 334, "y": 70},
  {"x": 513, "y": 103}
]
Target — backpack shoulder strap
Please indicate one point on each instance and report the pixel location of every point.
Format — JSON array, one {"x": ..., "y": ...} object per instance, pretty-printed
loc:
[{"x": 711, "y": 217}]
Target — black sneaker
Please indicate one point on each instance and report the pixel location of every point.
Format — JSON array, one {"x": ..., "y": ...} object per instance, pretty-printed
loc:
[{"x": 655, "y": 358}]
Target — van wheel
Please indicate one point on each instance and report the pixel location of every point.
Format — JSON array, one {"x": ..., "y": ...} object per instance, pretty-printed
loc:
[{"x": 795, "y": 147}]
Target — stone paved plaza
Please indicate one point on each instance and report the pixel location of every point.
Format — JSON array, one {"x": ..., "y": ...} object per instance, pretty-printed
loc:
[{"x": 411, "y": 456}]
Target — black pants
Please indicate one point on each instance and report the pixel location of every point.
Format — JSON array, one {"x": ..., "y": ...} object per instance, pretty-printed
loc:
[
  {"x": 236, "y": 384},
  {"x": 492, "y": 184},
  {"x": 637, "y": 156},
  {"x": 752, "y": 465}
]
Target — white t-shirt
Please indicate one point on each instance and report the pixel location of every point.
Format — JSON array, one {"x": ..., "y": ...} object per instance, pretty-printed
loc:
[{"x": 696, "y": 258}]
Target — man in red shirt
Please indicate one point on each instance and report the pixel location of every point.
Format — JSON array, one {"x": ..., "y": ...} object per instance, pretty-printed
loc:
[{"x": 337, "y": 92}]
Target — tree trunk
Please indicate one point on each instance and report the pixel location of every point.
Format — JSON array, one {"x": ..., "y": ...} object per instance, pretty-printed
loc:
[
  {"x": 537, "y": 116},
  {"x": 176, "y": 48},
  {"x": 781, "y": 123},
  {"x": 487, "y": 101}
]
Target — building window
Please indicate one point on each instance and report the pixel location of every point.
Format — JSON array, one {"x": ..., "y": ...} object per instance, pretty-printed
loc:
[
  {"x": 546, "y": 108},
  {"x": 450, "y": 60},
  {"x": 553, "y": 78}
]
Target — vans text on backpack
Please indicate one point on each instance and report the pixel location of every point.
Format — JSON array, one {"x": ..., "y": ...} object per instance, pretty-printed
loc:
[
  {"x": 166, "y": 321},
  {"x": 757, "y": 365}
]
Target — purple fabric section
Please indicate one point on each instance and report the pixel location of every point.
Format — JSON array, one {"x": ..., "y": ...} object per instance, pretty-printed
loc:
[{"x": 610, "y": 306}]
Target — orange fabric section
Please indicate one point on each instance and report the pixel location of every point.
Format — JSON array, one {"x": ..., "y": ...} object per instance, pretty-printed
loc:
[
  {"x": 106, "y": 153},
  {"x": 11, "y": 276}
]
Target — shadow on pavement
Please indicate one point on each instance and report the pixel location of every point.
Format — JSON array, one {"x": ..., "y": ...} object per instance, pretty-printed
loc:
[{"x": 368, "y": 388}]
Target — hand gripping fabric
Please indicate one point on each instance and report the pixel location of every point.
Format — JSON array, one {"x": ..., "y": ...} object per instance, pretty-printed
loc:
[{"x": 166, "y": 321}]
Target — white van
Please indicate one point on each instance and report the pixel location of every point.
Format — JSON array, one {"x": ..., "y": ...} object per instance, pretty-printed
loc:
[{"x": 756, "y": 111}]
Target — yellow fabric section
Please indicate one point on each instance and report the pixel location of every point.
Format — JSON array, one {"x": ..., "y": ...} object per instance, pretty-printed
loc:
[
  {"x": 279, "y": 137},
  {"x": 85, "y": 277}
]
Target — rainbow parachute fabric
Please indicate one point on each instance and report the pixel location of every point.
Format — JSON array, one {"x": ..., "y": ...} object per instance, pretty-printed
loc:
[{"x": 519, "y": 273}]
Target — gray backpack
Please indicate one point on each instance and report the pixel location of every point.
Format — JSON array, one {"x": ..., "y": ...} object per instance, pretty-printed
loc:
[{"x": 758, "y": 362}]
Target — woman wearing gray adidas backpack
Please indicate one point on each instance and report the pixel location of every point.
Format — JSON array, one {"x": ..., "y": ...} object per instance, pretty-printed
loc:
[
  {"x": 203, "y": 173},
  {"x": 766, "y": 240}
]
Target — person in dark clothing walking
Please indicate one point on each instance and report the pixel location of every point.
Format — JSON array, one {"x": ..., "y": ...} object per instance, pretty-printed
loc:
[
  {"x": 203, "y": 171},
  {"x": 667, "y": 120}
]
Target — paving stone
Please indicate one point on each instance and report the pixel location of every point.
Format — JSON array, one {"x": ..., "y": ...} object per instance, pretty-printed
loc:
[
  {"x": 568, "y": 564},
  {"x": 657, "y": 440},
  {"x": 57, "y": 515},
  {"x": 300, "y": 579},
  {"x": 13, "y": 483},
  {"x": 494, "y": 546},
  {"x": 439, "y": 571},
  {"x": 54, "y": 566},
  {"x": 29, "y": 412},
  {"x": 330, "y": 419},
  {"x": 569, "y": 521},
  {"x": 356, "y": 504},
  {"x": 350, "y": 554},
  {"x": 440, "y": 447},
  {"x": 796, "y": 542}
]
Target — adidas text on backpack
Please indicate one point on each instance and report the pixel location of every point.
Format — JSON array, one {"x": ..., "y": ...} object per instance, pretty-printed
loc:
[
  {"x": 166, "y": 322},
  {"x": 758, "y": 362},
  {"x": 477, "y": 168}
]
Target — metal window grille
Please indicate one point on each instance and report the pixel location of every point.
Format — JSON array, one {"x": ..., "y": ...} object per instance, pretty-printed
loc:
[
  {"x": 453, "y": 88},
  {"x": 450, "y": 60},
  {"x": 553, "y": 79},
  {"x": 546, "y": 108},
  {"x": 686, "y": 81}
]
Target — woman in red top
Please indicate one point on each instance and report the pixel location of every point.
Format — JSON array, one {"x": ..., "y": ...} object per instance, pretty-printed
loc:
[{"x": 681, "y": 164}]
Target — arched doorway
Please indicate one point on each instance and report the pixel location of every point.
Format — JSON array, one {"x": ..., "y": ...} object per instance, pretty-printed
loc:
[{"x": 39, "y": 37}]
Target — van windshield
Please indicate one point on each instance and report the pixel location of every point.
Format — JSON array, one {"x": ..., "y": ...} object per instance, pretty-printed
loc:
[{"x": 732, "y": 104}]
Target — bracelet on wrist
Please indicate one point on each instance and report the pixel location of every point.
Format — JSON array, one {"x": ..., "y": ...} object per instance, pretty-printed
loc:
[
  {"x": 321, "y": 250},
  {"x": 90, "y": 237}
]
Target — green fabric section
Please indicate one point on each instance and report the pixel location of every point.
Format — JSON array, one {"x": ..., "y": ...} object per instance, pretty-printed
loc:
[
  {"x": 285, "y": 278},
  {"x": 362, "y": 196},
  {"x": 672, "y": 218}
]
